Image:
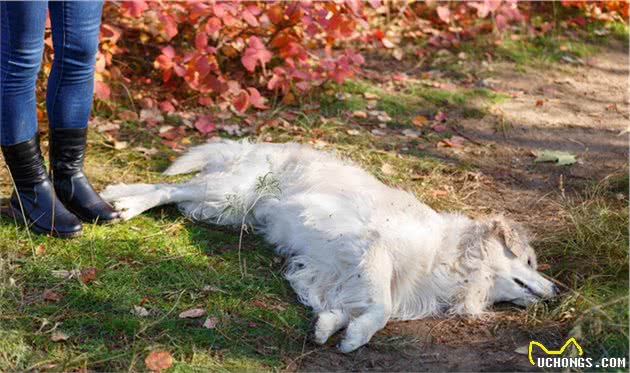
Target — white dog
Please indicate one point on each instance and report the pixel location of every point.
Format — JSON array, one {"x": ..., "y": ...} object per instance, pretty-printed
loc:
[{"x": 359, "y": 252}]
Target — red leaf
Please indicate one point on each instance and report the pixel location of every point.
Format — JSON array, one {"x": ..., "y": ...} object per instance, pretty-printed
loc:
[
  {"x": 163, "y": 62},
  {"x": 201, "y": 40},
  {"x": 275, "y": 14},
  {"x": 87, "y": 275},
  {"x": 440, "y": 116},
  {"x": 205, "y": 101},
  {"x": 256, "y": 51},
  {"x": 102, "y": 90},
  {"x": 256, "y": 99},
  {"x": 168, "y": 51},
  {"x": 169, "y": 24},
  {"x": 501, "y": 21},
  {"x": 167, "y": 106},
  {"x": 241, "y": 101},
  {"x": 444, "y": 13},
  {"x": 134, "y": 8},
  {"x": 249, "y": 18},
  {"x": 204, "y": 124},
  {"x": 213, "y": 25}
]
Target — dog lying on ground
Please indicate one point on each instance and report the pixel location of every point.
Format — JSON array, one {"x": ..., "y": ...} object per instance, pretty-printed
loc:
[{"x": 359, "y": 253}]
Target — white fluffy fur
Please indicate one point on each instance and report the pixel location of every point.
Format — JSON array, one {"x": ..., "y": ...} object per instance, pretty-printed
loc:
[{"x": 359, "y": 252}]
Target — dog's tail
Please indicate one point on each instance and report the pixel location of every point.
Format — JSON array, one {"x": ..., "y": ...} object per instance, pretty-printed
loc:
[{"x": 214, "y": 155}]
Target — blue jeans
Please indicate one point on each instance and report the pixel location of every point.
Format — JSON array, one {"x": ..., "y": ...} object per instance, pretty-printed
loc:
[{"x": 75, "y": 27}]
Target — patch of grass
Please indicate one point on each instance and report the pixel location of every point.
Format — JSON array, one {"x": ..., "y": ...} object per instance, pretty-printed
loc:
[
  {"x": 542, "y": 49},
  {"x": 414, "y": 99},
  {"x": 590, "y": 256}
]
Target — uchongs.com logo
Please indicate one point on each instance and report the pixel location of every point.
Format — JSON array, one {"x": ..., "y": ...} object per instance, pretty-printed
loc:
[{"x": 554, "y": 358}]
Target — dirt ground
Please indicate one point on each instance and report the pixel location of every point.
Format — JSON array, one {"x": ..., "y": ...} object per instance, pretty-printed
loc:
[{"x": 579, "y": 107}]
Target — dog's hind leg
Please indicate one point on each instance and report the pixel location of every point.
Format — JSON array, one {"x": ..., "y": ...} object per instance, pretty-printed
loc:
[{"x": 327, "y": 323}]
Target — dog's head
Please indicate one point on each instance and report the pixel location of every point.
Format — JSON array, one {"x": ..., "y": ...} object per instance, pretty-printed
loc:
[{"x": 512, "y": 262}]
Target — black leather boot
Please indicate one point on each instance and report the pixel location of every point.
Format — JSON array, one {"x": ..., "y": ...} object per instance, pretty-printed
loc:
[
  {"x": 34, "y": 193},
  {"x": 67, "y": 152}
]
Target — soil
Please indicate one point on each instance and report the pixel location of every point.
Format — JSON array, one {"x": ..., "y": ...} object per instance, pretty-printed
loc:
[{"x": 581, "y": 108}]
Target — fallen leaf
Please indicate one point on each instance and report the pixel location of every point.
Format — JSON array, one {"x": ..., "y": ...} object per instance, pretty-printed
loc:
[
  {"x": 119, "y": 145},
  {"x": 40, "y": 249},
  {"x": 377, "y": 132},
  {"x": 543, "y": 267},
  {"x": 411, "y": 133},
  {"x": 87, "y": 275},
  {"x": 439, "y": 128},
  {"x": 192, "y": 313},
  {"x": 387, "y": 44},
  {"x": 384, "y": 118},
  {"x": 62, "y": 273},
  {"x": 140, "y": 311},
  {"x": 539, "y": 103},
  {"x": 146, "y": 151},
  {"x": 612, "y": 107},
  {"x": 101, "y": 89},
  {"x": 166, "y": 106},
  {"x": 211, "y": 322},
  {"x": 438, "y": 193},
  {"x": 152, "y": 116},
  {"x": 158, "y": 360},
  {"x": 559, "y": 157},
  {"x": 440, "y": 116},
  {"x": 370, "y": 96},
  {"x": 359, "y": 114},
  {"x": 51, "y": 295},
  {"x": 128, "y": 115},
  {"x": 108, "y": 127},
  {"x": 453, "y": 142},
  {"x": 352, "y": 132},
  {"x": 388, "y": 169},
  {"x": 59, "y": 337},
  {"x": 419, "y": 120},
  {"x": 204, "y": 124}
]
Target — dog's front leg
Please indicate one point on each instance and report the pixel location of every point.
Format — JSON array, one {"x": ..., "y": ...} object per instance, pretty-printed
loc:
[{"x": 378, "y": 272}]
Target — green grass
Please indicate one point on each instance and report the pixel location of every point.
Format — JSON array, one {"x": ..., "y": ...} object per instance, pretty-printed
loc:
[
  {"x": 159, "y": 259},
  {"x": 590, "y": 257}
]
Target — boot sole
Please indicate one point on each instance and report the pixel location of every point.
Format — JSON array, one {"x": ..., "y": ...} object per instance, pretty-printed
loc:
[{"x": 17, "y": 216}]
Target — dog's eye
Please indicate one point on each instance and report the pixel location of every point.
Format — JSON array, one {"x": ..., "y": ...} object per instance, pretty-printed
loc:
[{"x": 529, "y": 262}]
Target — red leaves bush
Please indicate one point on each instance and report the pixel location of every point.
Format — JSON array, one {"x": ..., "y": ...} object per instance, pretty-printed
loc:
[
  {"x": 228, "y": 52},
  {"x": 238, "y": 55}
]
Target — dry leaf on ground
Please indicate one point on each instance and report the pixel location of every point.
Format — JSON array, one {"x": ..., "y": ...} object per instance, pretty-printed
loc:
[
  {"x": 211, "y": 322},
  {"x": 192, "y": 313},
  {"x": 158, "y": 360},
  {"x": 59, "y": 337},
  {"x": 51, "y": 295}
]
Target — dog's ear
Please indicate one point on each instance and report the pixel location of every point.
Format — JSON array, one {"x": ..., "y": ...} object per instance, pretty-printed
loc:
[{"x": 500, "y": 228}]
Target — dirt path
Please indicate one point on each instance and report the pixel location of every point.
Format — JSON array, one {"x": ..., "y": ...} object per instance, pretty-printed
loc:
[{"x": 578, "y": 108}]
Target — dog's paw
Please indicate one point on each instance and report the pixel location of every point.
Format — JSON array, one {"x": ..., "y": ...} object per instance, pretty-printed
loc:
[
  {"x": 129, "y": 206},
  {"x": 350, "y": 343},
  {"x": 327, "y": 323},
  {"x": 356, "y": 336}
]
